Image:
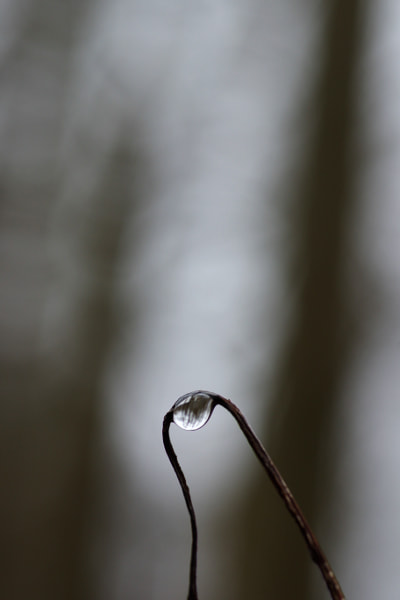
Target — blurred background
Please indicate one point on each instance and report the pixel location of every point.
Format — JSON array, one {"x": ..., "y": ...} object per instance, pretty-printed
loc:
[{"x": 198, "y": 195}]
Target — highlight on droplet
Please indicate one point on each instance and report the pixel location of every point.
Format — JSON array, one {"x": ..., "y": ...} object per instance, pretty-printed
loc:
[{"x": 192, "y": 411}]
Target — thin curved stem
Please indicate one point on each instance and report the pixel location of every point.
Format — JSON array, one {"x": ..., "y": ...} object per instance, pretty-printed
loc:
[
  {"x": 192, "y": 593},
  {"x": 278, "y": 482},
  {"x": 280, "y": 485}
]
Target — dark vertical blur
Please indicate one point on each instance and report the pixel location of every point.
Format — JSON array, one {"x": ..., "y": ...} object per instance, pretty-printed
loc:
[
  {"x": 301, "y": 431},
  {"x": 50, "y": 392}
]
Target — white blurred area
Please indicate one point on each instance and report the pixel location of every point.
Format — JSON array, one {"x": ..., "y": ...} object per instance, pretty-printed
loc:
[
  {"x": 211, "y": 89},
  {"x": 215, "y": 90}
]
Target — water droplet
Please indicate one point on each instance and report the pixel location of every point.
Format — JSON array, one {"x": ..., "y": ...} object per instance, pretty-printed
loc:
[{"x": 193, "y": 410}]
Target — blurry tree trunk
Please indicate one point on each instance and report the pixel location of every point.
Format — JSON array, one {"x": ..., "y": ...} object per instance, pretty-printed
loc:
[
  {"x": 50, "y": 416},
  {"x": 49, "y": 409},
  {"x": 273, "y": 561}
]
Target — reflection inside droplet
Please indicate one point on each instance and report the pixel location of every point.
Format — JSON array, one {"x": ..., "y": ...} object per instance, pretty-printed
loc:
[{"x": 193, "y": 410}]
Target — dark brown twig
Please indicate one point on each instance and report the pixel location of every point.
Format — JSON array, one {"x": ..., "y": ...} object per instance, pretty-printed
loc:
[
  {"x": 279, "y": 483},
  {"x": 192, "y": 594}
]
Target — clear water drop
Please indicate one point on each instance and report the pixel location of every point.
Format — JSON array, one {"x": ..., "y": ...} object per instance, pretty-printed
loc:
[{"x": 193, "y": 410}]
